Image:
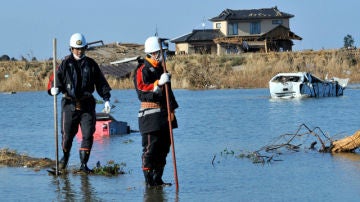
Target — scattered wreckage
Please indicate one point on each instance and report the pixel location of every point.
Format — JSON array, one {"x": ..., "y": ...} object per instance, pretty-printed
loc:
[{"x": 305, "y": 139}]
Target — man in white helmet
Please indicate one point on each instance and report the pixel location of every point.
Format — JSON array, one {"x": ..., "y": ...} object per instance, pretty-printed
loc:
[
  {"x": 77, "y": 77},
  {"x": 149, "y": 82}
]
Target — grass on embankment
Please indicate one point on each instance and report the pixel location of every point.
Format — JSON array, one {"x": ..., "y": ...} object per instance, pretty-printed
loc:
[{"x": 248, "y": 70}]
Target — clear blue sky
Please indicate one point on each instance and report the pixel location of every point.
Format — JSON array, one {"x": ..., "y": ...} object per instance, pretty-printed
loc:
[{"x": 29, "y": 27}]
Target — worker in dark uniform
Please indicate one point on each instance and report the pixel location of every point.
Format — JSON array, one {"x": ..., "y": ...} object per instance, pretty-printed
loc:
[
  {"x": 77, "y": 77},
  {"x": 149, "y": 81}
]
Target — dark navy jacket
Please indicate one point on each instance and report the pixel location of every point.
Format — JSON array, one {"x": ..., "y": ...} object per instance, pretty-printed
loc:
[{"x": 77, "y": 79}]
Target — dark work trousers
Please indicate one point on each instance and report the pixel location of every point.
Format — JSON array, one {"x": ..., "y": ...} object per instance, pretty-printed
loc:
[
  {"x": 71, "y": 118},
  {"x": 156, "y": 146}
]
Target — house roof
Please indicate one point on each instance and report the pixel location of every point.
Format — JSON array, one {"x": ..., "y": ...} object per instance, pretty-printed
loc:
[
  {"x": 229, "y": 14},
  {"x": 119, "y": 70},
  {"x": 199, "y": 35},
  {"x": 280, "y": 32}
]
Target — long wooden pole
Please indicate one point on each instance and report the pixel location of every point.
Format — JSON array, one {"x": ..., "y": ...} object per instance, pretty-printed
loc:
[
  {"x": 169, "y": 119},
  {"x": 55, "y": 112}
]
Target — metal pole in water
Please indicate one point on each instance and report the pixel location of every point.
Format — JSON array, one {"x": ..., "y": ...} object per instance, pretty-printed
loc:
[{"x": 55, "y": 111}]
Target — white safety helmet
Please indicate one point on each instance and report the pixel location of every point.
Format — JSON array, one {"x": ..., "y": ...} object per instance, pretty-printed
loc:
[
  {"x": 77, "y": 40},
  {"x": 152, "y": 44}
]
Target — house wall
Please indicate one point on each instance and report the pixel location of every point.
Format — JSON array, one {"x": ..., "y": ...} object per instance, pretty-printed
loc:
[
  {"x": 186, "y": 48},
  {"x": 223, "y": 26},
  {"x": 244, "y": 27},
  {"x": 266, "y": 25},
  {"x": 181, "y": 48}
]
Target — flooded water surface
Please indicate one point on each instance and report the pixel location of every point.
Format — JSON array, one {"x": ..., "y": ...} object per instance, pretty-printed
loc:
[{"x": 211, "y": 123}]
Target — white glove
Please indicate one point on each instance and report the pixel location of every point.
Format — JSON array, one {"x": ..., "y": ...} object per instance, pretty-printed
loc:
[
  {"x": 54, "y": 91},
  {"x": 107, "y": 107},
  {"x": 164, "y": 78}
]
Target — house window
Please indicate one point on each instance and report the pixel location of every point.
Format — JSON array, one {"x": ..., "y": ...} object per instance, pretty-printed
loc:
[
  {"x": 277, "y": 22},
  {"x": 202, "y": 49},
  {"x": 255, "y": 28},
  {"x": 218, "y": 25},
  {"x": 232, "y": 29}
]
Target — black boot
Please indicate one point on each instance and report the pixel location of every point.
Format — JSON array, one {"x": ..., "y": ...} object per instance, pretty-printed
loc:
[
  {"x": 158, "y": 172},
  {"x": 64, "y": 160},
  {"x": 149, "y": 177},
  {"x": 84, "y": 158}
]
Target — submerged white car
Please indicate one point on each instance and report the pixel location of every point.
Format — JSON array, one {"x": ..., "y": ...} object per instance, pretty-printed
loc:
[{"x": 304, "y": 84}]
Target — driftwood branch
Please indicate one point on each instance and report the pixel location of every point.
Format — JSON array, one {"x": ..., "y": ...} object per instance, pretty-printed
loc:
[{"x": 347, "y": 144}]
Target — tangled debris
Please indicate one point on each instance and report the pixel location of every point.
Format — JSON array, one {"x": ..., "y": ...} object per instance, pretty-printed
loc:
[
  {"x": 304, "y": 138},
  {"x": 110, "y": 169},
  {"x": 12, "y": 158}
]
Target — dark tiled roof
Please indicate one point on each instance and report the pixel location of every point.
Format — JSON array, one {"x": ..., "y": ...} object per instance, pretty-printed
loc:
[
  {"x": 199, "y": 35},
  {"x": 229, "y": 14},
  {"x": 120, "y": 70}
]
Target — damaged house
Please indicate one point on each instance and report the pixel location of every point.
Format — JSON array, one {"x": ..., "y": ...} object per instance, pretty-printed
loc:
[{"x": 236, "y": 31}]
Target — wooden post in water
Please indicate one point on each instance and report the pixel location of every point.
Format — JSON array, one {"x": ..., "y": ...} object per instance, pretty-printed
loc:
[{"x": 169, "y": 119}]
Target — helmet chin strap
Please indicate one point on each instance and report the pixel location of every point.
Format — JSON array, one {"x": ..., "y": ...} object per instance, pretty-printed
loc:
[
  {"x": 157, "y": 56},
  {"x": 78, "y": 58}
]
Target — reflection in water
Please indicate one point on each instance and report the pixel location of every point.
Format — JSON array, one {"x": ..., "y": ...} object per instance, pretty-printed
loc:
[
  {"x": 70, "y": 192},
  {"x": 56, "y": 182},
  {"x": 88, "y": 192},
  {"x": 64, "y": 191},
  {"x": 154, "y": 194},
  {"x": 350, "y": 156},
  {"x": 348, "y": 162}
]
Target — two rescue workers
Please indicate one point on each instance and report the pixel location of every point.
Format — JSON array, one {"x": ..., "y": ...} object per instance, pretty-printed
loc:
[
  {"x": 149, "y": 81},
  {"x": 76, "y": 78}
]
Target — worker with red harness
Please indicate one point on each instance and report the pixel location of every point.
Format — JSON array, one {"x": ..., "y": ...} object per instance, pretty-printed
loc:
[
  {"x": 149, "y": 81},
  {"x": 77, "y": 77}
]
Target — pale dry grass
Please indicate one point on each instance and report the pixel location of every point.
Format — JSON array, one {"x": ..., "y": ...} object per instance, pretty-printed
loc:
[
  {"x": 248, "y": 70},
  {"x": 254, "y": 70},
  {"x": 24, "y": 76}
]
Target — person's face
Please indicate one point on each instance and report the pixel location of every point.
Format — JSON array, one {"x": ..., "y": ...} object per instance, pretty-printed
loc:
[
  {"x": 157, "y": 56},
  {"x": 78, "y": 51}
]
